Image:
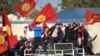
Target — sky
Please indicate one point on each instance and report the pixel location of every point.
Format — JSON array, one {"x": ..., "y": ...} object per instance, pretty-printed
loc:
[{"x": 41, "y": 3}]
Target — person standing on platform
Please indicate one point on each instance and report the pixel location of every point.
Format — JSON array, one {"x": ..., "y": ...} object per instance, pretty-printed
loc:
[{"x": 38, "y": 32}]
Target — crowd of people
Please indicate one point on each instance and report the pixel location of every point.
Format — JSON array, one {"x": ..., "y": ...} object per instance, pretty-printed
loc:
[{"x": 58, "y": 33}]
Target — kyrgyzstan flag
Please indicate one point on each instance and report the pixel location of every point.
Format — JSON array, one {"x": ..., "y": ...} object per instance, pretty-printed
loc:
[
  {"x": 89, "y": 16},
  {"x": 3, "y": 46},
  {"x": 25, "y": 7},
  {"x": 45, "y": 15},
  {"x": 12, "y": 41},
  {"x": 96, "y": 17}
]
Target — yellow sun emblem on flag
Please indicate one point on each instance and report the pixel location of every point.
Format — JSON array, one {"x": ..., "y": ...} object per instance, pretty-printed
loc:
[
  {"x": 2, "y": 40},
  {"x": 40, "y": 18},
  {"x": 8, "y": 29},
  {"x": 25, "y": 7}
]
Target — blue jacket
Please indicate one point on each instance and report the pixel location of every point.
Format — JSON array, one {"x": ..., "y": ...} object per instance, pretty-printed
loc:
[{"x": 37, "y": 31}]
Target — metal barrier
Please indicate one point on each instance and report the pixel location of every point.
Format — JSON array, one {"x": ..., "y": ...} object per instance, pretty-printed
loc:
[
  {"x": 79, "y": 51},
  {"x": 60, "y": 49},
  {"x": 57, "y": 54},
  {"x": 60, "y": 52},
  {"x": 66, "y": 47}
]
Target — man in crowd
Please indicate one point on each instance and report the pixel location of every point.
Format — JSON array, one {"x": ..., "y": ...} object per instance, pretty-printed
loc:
[{"x": 38, "y": 33}]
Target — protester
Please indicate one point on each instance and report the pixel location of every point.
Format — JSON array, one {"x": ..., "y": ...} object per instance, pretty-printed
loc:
[
  {"x": 67, "y": 33},
  {"x": 38, "y": 32},
  {"x": 48, "y": 36},
  {"x": 60, "y": 34}
]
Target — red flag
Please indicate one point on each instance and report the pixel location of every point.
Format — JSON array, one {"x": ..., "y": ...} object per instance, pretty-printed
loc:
[
  {"x": 12, "y": 41},
  {"x": 96, "y": 17},
  {"x": 3, "y": 46},
  {"x": 89, "y": 17},
  {"x": 25, "y": 7},
  {"x": 46, "y": 14}
]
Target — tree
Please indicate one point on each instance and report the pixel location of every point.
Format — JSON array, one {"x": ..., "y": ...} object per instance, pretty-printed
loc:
[
  {"x": 33, "y": 14},
  {"x": 9, "y": 5},
  {"x": 70, "y": 4},
  {"x": 94, "y": 3}
]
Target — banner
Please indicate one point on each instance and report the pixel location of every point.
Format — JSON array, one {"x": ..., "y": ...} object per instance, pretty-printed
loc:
[
  {"x": 3, "y": 46},
  {"x": 45, "y": 15},
  {"x": 92, "y": 17},
  {"x": 12, "y": 41},
  {"x": 89, "y": 16},
  {"x": 25, "y": 7}
]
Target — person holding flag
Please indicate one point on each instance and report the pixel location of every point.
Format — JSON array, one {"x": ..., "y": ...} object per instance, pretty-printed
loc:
[
  {"x": 38, "y": 37},
  {"x": 39, "y": 23},
  {"x": 47, "y": 14}
]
